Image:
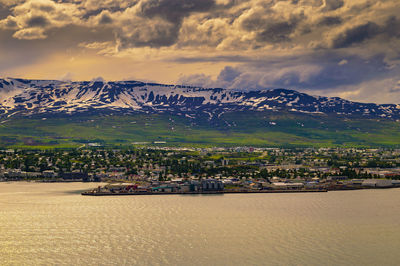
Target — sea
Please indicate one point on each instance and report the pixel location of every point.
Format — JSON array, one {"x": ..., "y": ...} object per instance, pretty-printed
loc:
[{"x": 52, "y": 224}]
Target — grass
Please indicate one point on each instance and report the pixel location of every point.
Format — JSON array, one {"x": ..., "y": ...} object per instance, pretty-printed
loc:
[{"x": 244, "y": 128}]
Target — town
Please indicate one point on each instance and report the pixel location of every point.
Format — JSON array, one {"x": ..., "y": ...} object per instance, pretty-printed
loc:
[{"x": 207, "y": 170}]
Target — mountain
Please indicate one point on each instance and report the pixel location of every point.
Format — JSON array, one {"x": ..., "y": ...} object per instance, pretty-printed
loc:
[
  {"x": 49, "y": 96},
  {"x": 50, "y": 113}
]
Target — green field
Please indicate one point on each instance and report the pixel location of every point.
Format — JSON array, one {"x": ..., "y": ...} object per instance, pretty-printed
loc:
[{"x": 232, "y": 129}]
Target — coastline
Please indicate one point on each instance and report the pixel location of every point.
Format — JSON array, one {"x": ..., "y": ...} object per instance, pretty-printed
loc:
[
  {"x": 91, "y": 193},
  {"x": 290, "y": 191}
]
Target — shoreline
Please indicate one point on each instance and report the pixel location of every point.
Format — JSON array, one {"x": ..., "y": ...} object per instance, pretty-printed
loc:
[{"x": 90, "y": 193}]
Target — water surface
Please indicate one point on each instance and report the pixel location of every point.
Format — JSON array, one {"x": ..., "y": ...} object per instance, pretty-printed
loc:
[{"x": 51, "y": 223}]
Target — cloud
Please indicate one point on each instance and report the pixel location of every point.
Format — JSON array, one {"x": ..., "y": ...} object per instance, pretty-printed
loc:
[
  {"x": 105, "y": 17},
  {"x": 329, "y": 21},
  {"x": 330, "y": 5},
  {"x": 156, "y": 23},
  {"x": 37, "y": 21},
  {"x": 67, "y": 76},
  {"x": 222, "y": 25},
  {"x": 391, "y": 27},
  {"x": 278, "y": 31},
  {"x": 395, "y": 88},
  {"x": 98, "y": 79},
  {"x": 4, "y": 11},
  {"x": 355, "y": 35},
  {"x": 33, "y": 18},
  {"x": 305, "y": 74},
  {"x": 271, "y": 24},
  {"x": 30, "y": 34},
  {"x": 314, "y": 45},
  {"x": 228, "y": 74},
  {"x": 9, "y": 23},
  {"x": 200, "y": 80},
  {"x": 310, "y": 79}
]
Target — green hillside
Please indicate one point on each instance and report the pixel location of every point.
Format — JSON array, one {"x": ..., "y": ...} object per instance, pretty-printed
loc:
[{"x": 231, "y": 129}]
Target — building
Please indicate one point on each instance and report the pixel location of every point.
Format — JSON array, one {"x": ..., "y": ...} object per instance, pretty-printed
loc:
[
  {"x": 337, "y": 178},
  {"x": 378, "y": 183},
  {"x": 49, "y": 174},
  {"x": 283, "y": 185},
  {"x": 212, "y": 185},
  {"x": 75, "y": 175}
]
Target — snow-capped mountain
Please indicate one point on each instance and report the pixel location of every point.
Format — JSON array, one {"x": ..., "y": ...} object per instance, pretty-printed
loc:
[{"x": 25, "y": 97}]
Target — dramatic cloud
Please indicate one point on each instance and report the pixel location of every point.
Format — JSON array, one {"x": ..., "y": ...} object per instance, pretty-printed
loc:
[
  {"x": 346, "y": 47},
  {"x": 330, "y": 5}
]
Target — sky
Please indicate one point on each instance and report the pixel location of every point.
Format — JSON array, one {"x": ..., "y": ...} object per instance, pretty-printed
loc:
[{"x": 343, "y": 48}]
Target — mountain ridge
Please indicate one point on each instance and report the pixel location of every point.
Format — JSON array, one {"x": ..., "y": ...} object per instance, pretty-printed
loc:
[{"x": 27, "y": 97}]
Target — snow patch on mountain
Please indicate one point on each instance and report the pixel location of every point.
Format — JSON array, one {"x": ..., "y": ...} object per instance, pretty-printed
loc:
[{"x": 52, "y": 96}]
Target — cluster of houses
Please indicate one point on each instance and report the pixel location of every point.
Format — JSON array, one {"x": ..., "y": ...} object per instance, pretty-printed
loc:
[
  {"x": 17, "y": 174},
  {"x": 236, "y": 168}
]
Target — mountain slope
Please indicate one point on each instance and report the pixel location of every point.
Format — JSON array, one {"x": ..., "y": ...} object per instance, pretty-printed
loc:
[
  {"x": 35, "y": 113},
  {"x": 46, "y": 96}
]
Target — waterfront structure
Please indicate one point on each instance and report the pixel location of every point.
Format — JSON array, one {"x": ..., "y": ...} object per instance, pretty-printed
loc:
[{"x": 212, "y": 185}]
